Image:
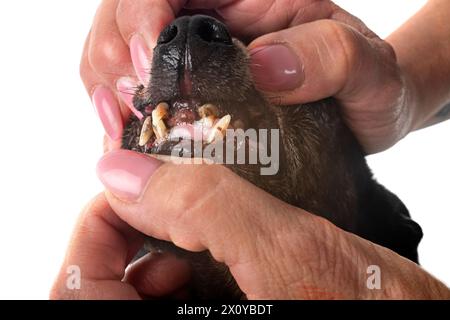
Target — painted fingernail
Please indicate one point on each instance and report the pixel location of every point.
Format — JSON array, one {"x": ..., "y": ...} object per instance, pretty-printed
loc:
[
  {"x": 126, "y": 88},
  {"x": 141, "y": 57},
  {"x": 126, "y": 173},
  {"x": 276, "y": 68},
  {"x": 108, "y": 110}
]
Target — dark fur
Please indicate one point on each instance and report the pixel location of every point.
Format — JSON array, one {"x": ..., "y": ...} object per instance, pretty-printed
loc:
[{"x": 322, "y": 166}]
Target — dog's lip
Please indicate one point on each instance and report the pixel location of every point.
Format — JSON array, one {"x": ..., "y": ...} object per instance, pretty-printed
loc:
[{"x": 184, "y": 120}]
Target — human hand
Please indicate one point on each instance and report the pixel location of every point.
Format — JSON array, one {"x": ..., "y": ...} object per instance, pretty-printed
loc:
[
  {"x": 273, "y": 250},
  {"x": 302, "y": 51},
  {"x": 101, "y": 248}
]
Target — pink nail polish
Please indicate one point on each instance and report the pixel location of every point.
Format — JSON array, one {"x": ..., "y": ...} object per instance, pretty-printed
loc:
[
  {"x": 276, "y": 68},
  {"x": 108, "y": 111},
  {"x": 126, "y": 173},
  {"x": 126, "y": 88},
  {"x": 141, "y": 57}
]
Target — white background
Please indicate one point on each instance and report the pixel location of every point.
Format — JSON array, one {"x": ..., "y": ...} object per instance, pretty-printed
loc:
[{"x": 51, "y": 141}]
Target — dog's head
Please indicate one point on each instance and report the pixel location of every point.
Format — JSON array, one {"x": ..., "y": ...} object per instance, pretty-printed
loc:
[{"x": 200, "y": 86}]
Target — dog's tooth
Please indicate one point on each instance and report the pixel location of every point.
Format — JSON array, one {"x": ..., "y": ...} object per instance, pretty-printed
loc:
[
  {"x": 217, "y": 132},
  {"x": 223, "y": 123},
  {"x": 146, "y": 132},
  {"x": 214, "y": 135},
  {"x": 161, "y": 111},
  {"x": 159, "y": 127},
  {"x": 208, "y": 110}
]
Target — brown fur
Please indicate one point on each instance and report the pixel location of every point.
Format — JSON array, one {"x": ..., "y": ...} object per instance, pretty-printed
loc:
[{"x": 322, "y": 166}]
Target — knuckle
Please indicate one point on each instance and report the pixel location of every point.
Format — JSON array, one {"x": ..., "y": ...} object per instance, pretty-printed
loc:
[
  {"x": 197, "y": 210},
  {"x": 388, "y": 50},
  {"x": 198, "y": 197},
  {"x": 195, "y": 203},
  {"x": 349, "y": 50},
  {"x": 204, "y": 184},
  {"x": 106, "y": 55}
]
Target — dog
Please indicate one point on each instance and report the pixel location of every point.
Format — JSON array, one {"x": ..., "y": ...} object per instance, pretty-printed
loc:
[{"x": 201, "y": 76}]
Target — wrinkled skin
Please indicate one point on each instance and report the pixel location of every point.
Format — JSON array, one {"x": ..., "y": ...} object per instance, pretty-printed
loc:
[{"x": 322, "y": 166}]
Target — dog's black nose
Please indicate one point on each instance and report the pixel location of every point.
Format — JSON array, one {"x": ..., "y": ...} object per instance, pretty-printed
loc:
[
  {"x": 195, "y": 29},
  {"x": 191, "y": 48},
  {"x": 209, "y": 30}
]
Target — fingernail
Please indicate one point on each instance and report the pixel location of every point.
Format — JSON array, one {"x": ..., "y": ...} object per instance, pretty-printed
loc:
[
  {"x": 126, "y": 173},
  {"x": 108, "y": 111},
  {"x": 276, "y": 68},
  {"x": 126, "y": 88},
  {"x": 141, "y": 57}
]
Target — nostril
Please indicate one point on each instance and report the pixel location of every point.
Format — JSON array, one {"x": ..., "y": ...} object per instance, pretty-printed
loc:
[
  {"x": 212, "y": 31},
  {"x": 168, "y": 34}
]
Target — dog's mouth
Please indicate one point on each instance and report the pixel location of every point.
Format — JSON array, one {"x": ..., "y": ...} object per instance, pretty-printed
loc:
[
  {"x": 199, "y": 94},
  {"x": 181, "y": 127}
]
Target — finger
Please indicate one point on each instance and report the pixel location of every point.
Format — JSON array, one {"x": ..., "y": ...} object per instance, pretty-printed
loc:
[
  {"x": 146, "y": 17},
  {"x": 250, "y": 19},
  {"x": 110, "y": 145},
  {"x": 101, "y": 247},
  {"x": 158, "y": 275},
  {"x": 320, "y": 59},
  {"x": 105, "y": 61},
  {"x": 108, "y": 53},
  {"x": 110, "y": 57},
  {"x": 140, "y": 22},
  {"x": 326, "y": 58},
  {"x": 111, "y": 115},
  {"x": 127, "y": 174},
  {"x": 200, "y": 207}
]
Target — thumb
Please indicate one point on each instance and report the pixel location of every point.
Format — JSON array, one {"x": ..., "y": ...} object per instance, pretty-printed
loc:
[
  {"x": 207, "y": 207},
  {"x": 328, "y": 58},
  {"x": 320, "y": 59}
]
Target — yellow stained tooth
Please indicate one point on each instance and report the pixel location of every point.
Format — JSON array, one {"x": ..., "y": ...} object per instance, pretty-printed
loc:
[
  {"x": 218, "y": 131},
  {"x": 223, "y": 123},
  {"x": 161, "y": 111},
  {"x": 160, "y": 129},
  {"x": 146, "y": 132},
  {"x": 208, "y": 110}
]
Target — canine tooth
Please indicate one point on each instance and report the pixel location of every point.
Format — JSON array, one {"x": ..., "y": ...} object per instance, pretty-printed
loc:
[
  {"x": 208, "y": 110},
  {"x": 146, "y": 132},
  {"x": 219, "y": 128},
  {"x": 223, "y": 123},
  {"x": 159, "y": 127},
  {"x": 161, "y": 111}
]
